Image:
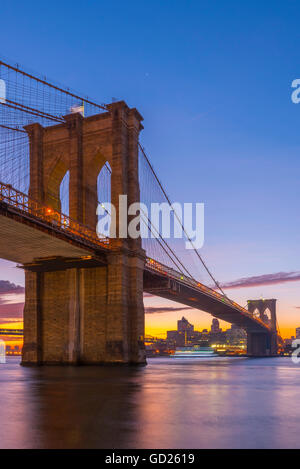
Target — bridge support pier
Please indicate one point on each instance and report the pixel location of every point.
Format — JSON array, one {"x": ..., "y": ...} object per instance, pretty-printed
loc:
[
  {"x": 258, "y": 343},
  {"x": 261, "y": 345},
  {"x": 86, "y": 315},
  {"x": 73, "y": 314}
]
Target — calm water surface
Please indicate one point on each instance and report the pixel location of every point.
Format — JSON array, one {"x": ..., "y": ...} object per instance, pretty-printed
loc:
[{"x": 214, "y": 403}]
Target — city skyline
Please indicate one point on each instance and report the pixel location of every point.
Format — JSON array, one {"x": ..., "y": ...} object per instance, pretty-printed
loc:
[{"x": 164, "y": 312}]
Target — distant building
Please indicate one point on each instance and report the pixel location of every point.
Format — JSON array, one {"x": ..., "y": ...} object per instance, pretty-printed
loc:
[
  {"x": 216, "y": 335},
  {"x": 298, "y": 333},
  {"x": 183, "y": 325},
  {"x": 16, "y": 350},
  {"x": 215, "y": 326},
  {"x": 185, "y": 333},
  {"x": 172, "y": 335},
  {"x": 236, "y": 335},
  {"x": 289, "y": 341}
]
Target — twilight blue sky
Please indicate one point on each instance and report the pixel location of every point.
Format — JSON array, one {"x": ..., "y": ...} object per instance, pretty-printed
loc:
[{"x": 213, "y": 82}]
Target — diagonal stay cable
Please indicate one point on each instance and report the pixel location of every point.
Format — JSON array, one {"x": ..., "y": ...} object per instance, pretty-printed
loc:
[
  {"x": 13, "y": 128},
  {"x": 29, "y": 110},
  {"x": 162, "y": 246},
  {"x": 150, "y": 227},
  {"x": 180, "y": 222},
  {"x": 166, "y": 244}
]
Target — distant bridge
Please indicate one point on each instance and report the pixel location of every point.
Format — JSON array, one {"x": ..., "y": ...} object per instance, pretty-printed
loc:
[{"x": 11, "y": 332}]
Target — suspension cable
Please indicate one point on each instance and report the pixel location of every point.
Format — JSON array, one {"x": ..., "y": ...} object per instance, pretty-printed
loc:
[
  {"x": 44, "y": 82},
  {"x": 151, "y": 227},
  {"x": 180, "y": 222},
  {"x": 162, "y": 246}
]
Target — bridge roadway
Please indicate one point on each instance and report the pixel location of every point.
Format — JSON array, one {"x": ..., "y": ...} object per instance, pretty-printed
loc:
[{"x": 29, "y": 232}]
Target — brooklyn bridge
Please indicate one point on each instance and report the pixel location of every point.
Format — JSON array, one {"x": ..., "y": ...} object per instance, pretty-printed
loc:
[{"x": 62, "y": 156}]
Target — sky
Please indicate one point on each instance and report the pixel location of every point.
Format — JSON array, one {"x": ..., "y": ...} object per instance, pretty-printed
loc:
[{"x": 212, "y": 80}]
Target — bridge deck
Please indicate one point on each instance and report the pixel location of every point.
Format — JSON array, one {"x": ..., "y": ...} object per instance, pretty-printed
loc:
[
  {"x": 33, "y": 232},
  {"x": 30, "y": 232},
  {"x": 165, "y": 282}
]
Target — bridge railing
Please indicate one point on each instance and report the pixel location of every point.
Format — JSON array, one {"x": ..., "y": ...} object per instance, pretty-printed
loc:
[
  {"x": 24, "y": 204},
  {"x": 171, "y": 273}
]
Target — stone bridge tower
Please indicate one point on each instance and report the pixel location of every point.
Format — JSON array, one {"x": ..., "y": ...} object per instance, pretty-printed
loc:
[
  {"x": 86, "y": 315},
  {"x": 261, "y": 344}
]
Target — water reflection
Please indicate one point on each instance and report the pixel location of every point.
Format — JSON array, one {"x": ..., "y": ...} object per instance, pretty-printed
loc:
[{"x": 215, "y": 403}]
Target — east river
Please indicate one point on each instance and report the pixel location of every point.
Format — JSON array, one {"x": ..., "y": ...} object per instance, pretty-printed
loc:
[{"x": 204, "y": 403}]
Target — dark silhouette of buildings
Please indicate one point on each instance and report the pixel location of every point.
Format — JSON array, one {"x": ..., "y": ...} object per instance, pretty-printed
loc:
[{"x": 186, "y": 335}]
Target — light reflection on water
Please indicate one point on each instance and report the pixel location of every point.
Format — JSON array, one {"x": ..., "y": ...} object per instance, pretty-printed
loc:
[{"x": 213, "y": 403}]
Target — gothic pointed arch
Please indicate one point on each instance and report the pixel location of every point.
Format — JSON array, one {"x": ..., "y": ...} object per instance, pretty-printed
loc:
[{"x": 53, "y": 185}]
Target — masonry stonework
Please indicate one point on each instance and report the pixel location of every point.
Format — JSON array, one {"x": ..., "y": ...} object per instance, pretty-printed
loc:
[
  {"x": 87, "y": 315},
  {"x": 262, "y": 344}
]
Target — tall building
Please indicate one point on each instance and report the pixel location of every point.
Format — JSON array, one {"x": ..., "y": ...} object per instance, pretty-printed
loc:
[
  {"x": 215, "y": 326},
  {"x": 183, "y": 325},
  {"x": 184, "y": 334},
  {"x": 298, "y": 333}
]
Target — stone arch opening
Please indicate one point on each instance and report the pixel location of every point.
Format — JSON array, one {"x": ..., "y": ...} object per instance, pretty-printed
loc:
[
  {"x": 97, "y": 187},
  {"x": 104, "y": 184},
  {"x": 104, "y": 200},
  {"x": 64, "y": 194},
  {"x": 266, "y": 316},
  {"x": 53, "y": 189},
  {"x": 256, "y": 313}
]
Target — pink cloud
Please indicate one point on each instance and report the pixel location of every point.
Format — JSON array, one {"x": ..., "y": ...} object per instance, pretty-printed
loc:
[
  {"x": 9, "y": 287},
  {"x": 267, "y": 279},
  {"x": 11, "y": 312}
]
